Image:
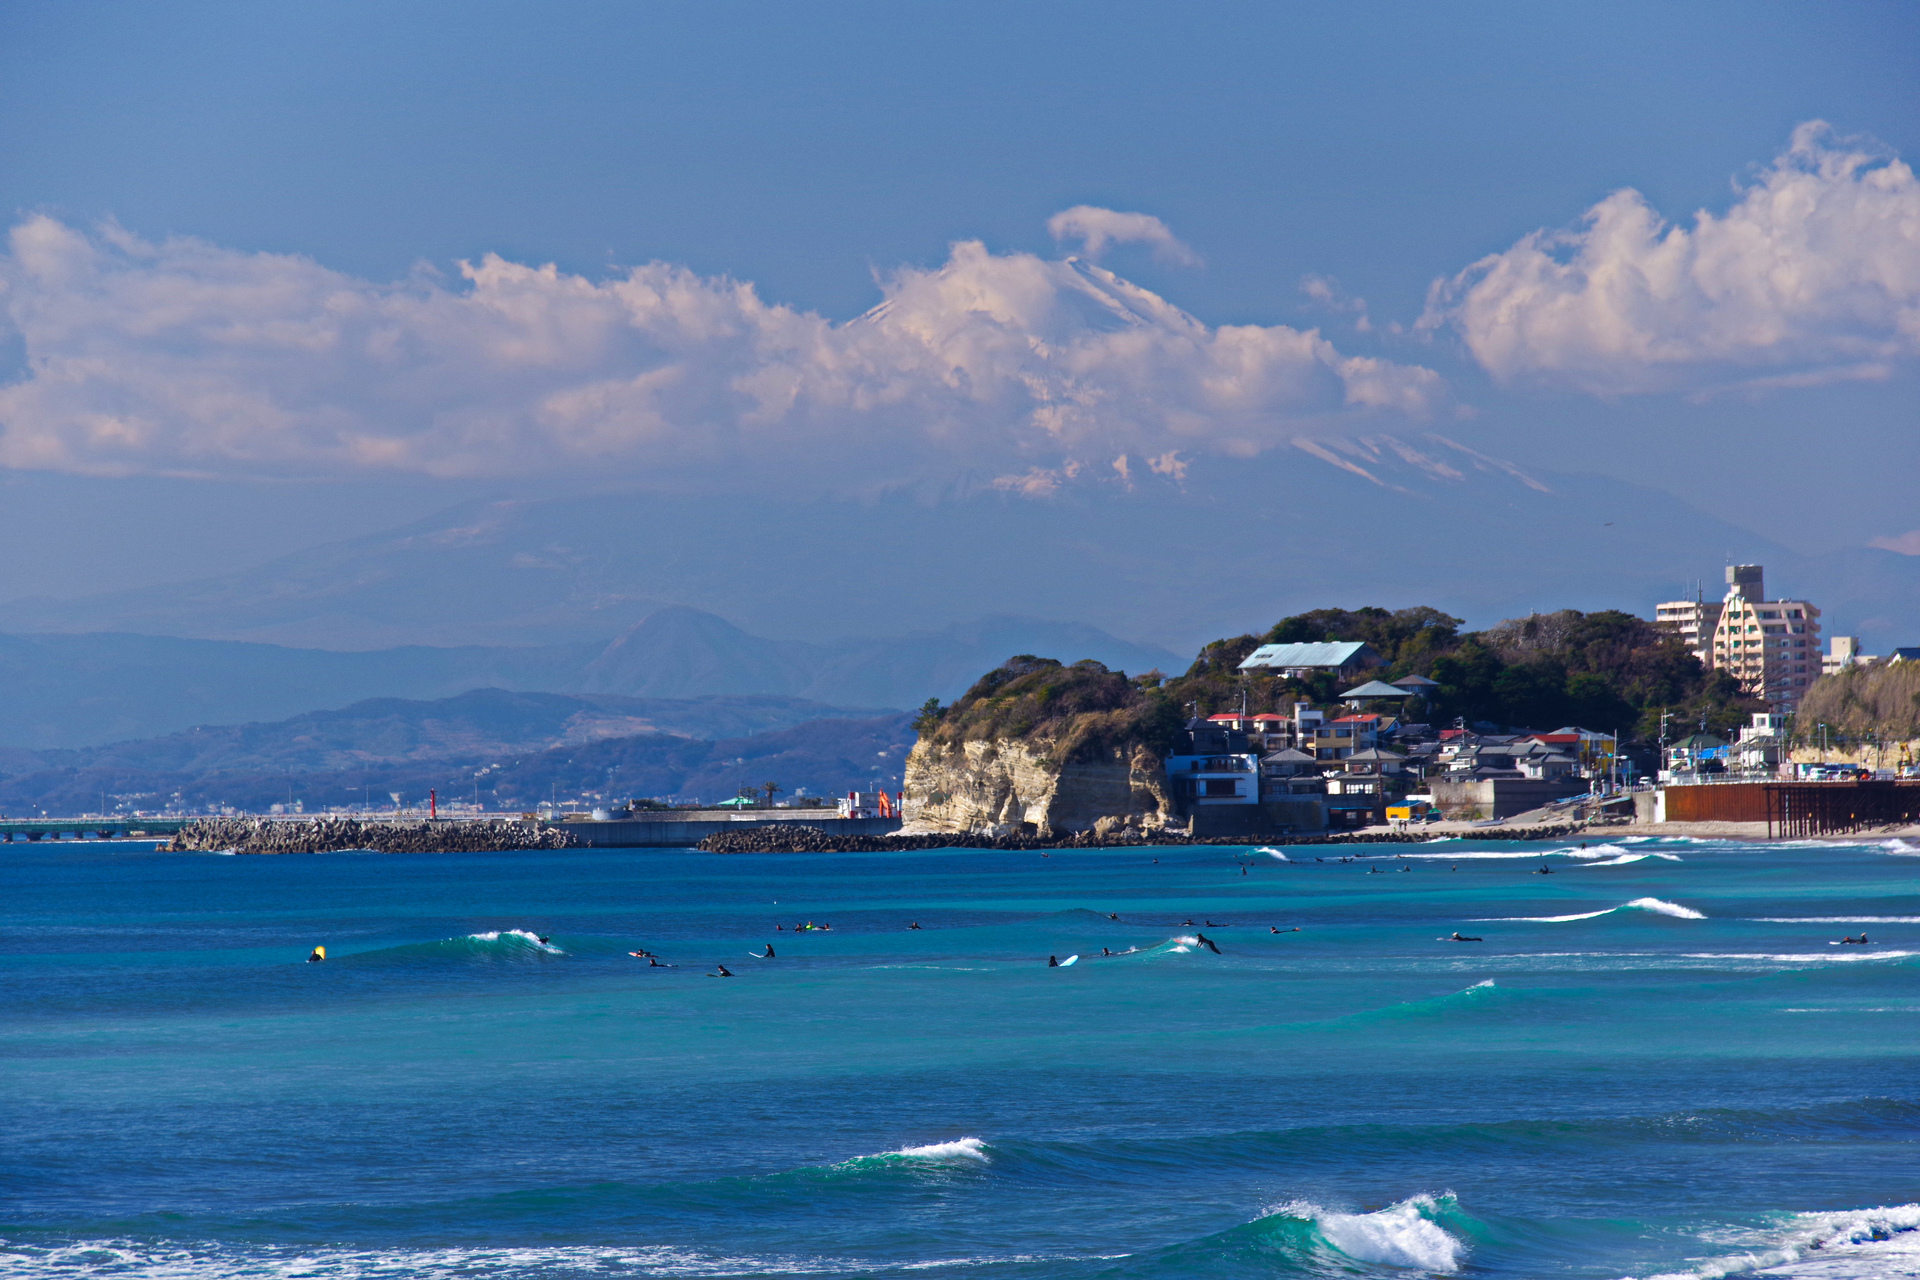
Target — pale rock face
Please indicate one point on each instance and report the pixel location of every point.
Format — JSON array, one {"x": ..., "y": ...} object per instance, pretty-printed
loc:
[{"x": 996, "y": 787}]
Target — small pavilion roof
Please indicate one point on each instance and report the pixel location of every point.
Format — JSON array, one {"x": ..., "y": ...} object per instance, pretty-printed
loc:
[{"x": 1375, "y": 689}]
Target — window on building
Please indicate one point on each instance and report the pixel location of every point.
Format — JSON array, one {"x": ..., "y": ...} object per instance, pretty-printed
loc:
[{"x": 1222, "y": 787}]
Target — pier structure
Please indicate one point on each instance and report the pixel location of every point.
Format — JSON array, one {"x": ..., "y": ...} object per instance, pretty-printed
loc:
[{"x": 96, "y": 828}]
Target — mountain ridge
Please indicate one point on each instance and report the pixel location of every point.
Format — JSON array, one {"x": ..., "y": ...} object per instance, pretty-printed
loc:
[{"x": 1346, "y": 520}]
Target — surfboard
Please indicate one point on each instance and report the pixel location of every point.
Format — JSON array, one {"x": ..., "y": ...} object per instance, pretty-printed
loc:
[{"x": 1069, "y": 960}]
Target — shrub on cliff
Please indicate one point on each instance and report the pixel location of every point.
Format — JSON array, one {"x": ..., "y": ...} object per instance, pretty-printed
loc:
[
  {"x": 1076, "y": 710},
  {"x": 1880, "y": 704}
]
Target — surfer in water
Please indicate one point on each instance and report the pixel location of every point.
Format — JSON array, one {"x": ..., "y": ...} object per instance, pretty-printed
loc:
[
  {"x": 1461, "y": 937},
  {"x": 543, "y": 940},
  {"x": 914, "y": 925},
  {"x": 769, "y": 954},
  {"x": 1113, "y": 915},
  {"x": 1544, "y": 871},
  {"x": 320, "y": 953},
  {"x": 653, "y": 962},
  {"x": 724, "y": 972},
  {"x": 1851, "y": 941},
  {"x": 1053, "y": 962},
  {"x": 641, "y": 954},
  {"x": 1206, "y": 942}
]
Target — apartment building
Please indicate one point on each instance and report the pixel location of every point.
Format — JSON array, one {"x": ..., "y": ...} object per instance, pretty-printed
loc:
[
  {"x": 1771, "y": 646},
  {"x": 1694, "y": 621}
]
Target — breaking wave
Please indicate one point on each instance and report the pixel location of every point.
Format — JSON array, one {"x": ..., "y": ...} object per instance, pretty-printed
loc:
[
  {"x": 959, "y": 1148},
  {"x": 132, "y": 1260},
  {"x": 499, "y": 945},
  {"x": 1655, "y": 905},
  {"x": 1862, "y": 1243},
  {"x": 1407, "y": 1235}
]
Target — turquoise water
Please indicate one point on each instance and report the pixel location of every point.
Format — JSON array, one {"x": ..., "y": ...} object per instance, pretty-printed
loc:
[{"x": 1655, "y": 1063}]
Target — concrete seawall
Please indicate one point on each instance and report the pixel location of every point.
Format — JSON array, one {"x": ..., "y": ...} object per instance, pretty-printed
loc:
[{"x": 675, "y": 831}]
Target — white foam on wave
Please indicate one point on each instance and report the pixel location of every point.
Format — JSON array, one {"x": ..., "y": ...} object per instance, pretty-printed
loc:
[
  {"x": 1476, "y": 854},
  {"x": 1400, "y": 1235},
  {"x": 1673, "y": 909},
  {"x": 1854, "y": 1244},
  {"x": 1655, "y": 905},
  {"x": 1902, "y": 848},
  {"x": 1807, "y": 957},
  {"x": 1584, "y": 915},
  {"x": 1274, "y": 853},
  {"x": 130, "y": 1260},
  {"x": 958, "y": 1149},
  {"x": 518, "y": 935},
  {"x": 1835, "y": 919}
]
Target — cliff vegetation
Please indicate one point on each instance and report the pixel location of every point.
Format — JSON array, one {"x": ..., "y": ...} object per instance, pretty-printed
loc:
[
  {"x": 1606, "y": 670},
  {"x": 1864, "y": 704}
]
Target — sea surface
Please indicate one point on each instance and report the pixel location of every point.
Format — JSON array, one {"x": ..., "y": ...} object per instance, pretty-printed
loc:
[{"x": 1658, "y": 1060}]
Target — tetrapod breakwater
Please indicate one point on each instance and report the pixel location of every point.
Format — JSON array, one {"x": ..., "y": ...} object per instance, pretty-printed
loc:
[{"x": 338, "y": 835}]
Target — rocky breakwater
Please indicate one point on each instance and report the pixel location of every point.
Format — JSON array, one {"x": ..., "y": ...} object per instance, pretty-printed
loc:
[
  {"x": 1040, "y": 749},
  {"x": 788, "y": 837},
  {"x": 335, "y": 835}
]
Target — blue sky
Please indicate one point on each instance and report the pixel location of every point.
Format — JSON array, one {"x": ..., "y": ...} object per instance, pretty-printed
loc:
[{"x": 818, "y": 151}]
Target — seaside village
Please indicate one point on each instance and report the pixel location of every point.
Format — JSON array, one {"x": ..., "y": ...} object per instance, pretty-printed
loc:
[{"x": 1359, "y": 763}]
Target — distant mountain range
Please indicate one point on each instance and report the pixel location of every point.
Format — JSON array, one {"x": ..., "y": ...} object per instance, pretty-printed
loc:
[
  {"x": 1336, "y": 521},
  {"x": 85, "y": 690},
  {"x": 639, "y": 595},
  {"x": 505, "y": 750}
]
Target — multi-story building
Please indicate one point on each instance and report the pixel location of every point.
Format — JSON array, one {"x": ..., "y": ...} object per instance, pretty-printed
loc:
[
  {"x": 1693, "y": 621},
  {"x": 1772, "y": 647},
  {"x": 1843, "y": 653},
  {"x": 1214, "y": 765}
]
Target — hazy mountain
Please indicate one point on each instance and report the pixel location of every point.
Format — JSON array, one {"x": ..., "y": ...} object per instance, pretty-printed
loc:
[
  {"x": 82, "y": 690},
  {"x": 509, "y": 750},
  {"x": 1345, "y": 522},
  {"x": 76, "y": 690},
  {"x": 482, "y": 723}
]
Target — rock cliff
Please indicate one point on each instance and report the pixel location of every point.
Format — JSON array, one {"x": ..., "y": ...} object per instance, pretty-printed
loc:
[
  {"x": 1010, "y": 786},
  {"x": 1045, "y": 749}
]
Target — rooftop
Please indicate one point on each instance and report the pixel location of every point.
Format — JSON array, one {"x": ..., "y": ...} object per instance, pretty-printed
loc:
[{"x": 1331, "y": 654}]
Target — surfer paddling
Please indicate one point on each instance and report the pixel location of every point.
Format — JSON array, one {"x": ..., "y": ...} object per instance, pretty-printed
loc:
[{"x": 1461, "y": 937}]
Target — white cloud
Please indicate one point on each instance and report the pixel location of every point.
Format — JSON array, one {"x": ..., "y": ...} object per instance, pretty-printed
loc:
[
  {"x": 1096, "y": 228},
  {"x": 186, "y": 358},
  {"x": 1813, "y": 275}
]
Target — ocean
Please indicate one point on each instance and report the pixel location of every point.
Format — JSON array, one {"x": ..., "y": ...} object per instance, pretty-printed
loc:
[{"x": 1657, "y": 1061}]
